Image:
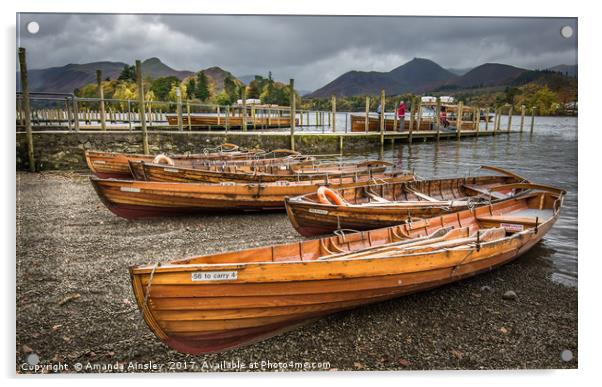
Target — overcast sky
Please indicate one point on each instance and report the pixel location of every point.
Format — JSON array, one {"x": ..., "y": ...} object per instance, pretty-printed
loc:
[{"x": 313, "y": 50}]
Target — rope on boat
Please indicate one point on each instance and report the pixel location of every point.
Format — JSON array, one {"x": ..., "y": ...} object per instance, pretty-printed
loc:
[{"x": 148, "y": 285}]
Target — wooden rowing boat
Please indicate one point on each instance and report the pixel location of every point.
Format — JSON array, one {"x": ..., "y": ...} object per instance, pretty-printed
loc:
[
  {"x": 232, "y": 122},
  {"x": 222, "y": 301},
  {"x": 382, "y": 205},
  {"x": 133, "y": 199},
  {"x": 292, "y": 172},
  {"x": 243, "y": 165},
  {"x": 108, "y": 165}
]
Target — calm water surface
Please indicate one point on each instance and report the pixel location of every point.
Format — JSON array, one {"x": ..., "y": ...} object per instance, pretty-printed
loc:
[{"x": 549, "y": 156}]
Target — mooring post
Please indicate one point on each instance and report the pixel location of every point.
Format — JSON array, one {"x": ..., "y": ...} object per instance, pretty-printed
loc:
[
  {"x": 141, "y": 106},
  {"x": 130, "y": 114},
  {"x": 292, "y": 103},
  {"x": 418, "y": 113},
  {"x": 333, "y": 105},
  {"x": 395, "y": 107},
  {"x": 411, "y": 127},
  {"x": 26, "y": 108},
  {"x": 522, "y": 117},
  {"x": 227, "y": 118},
  {"x": 382, "y": 117},
  {"x": 487, "y": 119},
  {"x": 75, "y": 114},
  {"x": 459, "y": 119},
  {"x": 101, "y": 95},
  {"x": 366, "y": 120},
  {"x": 510, "y": 118},
  {"x": 437, "y": 117},
  {"x": 150, "y": 113},
  {"x": 179, "y": 109},
  {"x": 532, "y": 118},
  {"x": 188, "y": 115},
  {"x": 244, "y": 109},
  {"x": 477, "y": 113}
]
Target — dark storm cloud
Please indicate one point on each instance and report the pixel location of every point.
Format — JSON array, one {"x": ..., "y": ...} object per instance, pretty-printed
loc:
[{"x": 313, "y": 50}]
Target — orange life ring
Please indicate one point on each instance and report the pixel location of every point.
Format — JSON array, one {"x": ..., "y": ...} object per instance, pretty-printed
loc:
[
  {"x": 328, "y": 196},
  {"x": 162, "y": 159}
]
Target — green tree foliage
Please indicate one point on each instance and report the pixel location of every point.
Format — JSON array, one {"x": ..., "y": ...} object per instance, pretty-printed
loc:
[
  {"x": 202, "y": 86},
  {"x": 232, "y": 89},
  {"x": 162, "y": 86},
  {"x": 191, "y": 89},
  {"x": 128, "y": 73}
]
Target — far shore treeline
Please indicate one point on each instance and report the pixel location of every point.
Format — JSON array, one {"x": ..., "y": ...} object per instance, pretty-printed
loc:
[{"x": 552, "y": 93}]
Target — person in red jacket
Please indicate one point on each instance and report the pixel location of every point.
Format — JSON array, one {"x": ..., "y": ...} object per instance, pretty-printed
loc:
[
  {"x": 443, "y": 117},
  {"x": 401, "y": 112}
]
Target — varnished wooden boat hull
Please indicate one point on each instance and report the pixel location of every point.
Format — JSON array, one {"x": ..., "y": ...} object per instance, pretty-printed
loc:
[
  {"x": 358, "y": 124},
  {"x": 261, "y": 292},
  {"x": 107, "y": 165},
  {"x": 311, "y": 218},
  {"x": 219, "y": 122},
  {"x": 270, "y": 174},
  {"x": 133, "y": 199}
]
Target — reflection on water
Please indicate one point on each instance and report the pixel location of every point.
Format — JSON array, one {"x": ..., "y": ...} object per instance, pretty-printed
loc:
[{"x": 549, "y": 156}]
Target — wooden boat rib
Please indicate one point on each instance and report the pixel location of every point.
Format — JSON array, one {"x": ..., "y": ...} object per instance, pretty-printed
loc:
[
  {"x": 292, "y": 172},
  {"x": 382, "y": 205},
  {"x": 115, "y": 165},
  {"x": 222, "y": 301},
  {"x": 133, "y": 199}
]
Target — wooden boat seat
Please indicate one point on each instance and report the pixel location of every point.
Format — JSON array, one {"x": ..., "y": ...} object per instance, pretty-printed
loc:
[
  {"x": 482, "y": 191},
  {"x": 375, "y": 197},
  {"x": 423, "y": 196},
  {"x": 529, "y": 221}
]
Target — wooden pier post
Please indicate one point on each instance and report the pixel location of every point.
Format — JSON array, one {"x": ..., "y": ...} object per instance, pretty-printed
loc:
[
  {"x": 227, "y": 118},
  {"x": 101, "y": 95},
  {"x": 366, "y": 120},
  {"x": 477, "y": 119},
  {"x": 395, "y": 117},
  {"x": 26, "y": 108},
  {"x": 382, "y": 117},
  {"x": 333, "y": 106},
  {"x": 130, "y": 114},
  {"x": 532, "y": 118},
  {"x": 141, "y": 106},
  {"x": 292, "y": 103},
  {"x": 419, "y": 113},
  {"x": 522, "y": 117},
  {"x": 438, "y": 118},
  {"x": 188, "y": 115},
  {"x": 244, "y": 109},
  {"x": 487, "y": 119},
  {"x": 510, "y": 118},
  {"x": 459, "y": 120},
  {"x": 411, "y": 128},
  {"x": 179, "y": 109},
  {"x": 75, "y": 114}
]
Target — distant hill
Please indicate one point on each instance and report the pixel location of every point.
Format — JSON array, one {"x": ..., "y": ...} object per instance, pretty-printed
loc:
[
  {"x": 67, "y": 78},
  {"x": 216, "y": 76},
  {"x": 459, "y": 71},
  {"x": 568, "y": 70},
  {"x": 416, "y": 75},
  {"x": 488, "y": 74}
]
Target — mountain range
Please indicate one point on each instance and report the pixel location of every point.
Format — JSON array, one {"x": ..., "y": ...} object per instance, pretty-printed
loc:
[
  {"x": 417, "y": 76},
  {"x": 423, "y": 75},
  {"x": 67, "y": 78}
]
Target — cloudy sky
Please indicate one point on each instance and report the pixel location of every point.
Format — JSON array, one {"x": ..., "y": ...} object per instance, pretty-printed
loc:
[{"x": 313, "y": 50}]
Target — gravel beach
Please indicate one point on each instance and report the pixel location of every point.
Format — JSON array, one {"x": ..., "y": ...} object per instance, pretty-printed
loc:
[{"x": 74, "y": 303}]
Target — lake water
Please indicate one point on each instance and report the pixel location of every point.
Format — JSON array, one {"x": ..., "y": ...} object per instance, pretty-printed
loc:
[{"x": 549, "y": 156}]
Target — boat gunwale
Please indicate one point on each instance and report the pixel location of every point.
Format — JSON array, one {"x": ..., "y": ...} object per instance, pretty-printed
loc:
[{"x": 174, "y": 266}]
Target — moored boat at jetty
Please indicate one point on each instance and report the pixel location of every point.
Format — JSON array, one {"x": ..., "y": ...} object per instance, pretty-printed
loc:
[
  {"x": 381, "y": 205},
  {"x": 222, "y": 301},
  {"x": 134, "y": 199}
]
